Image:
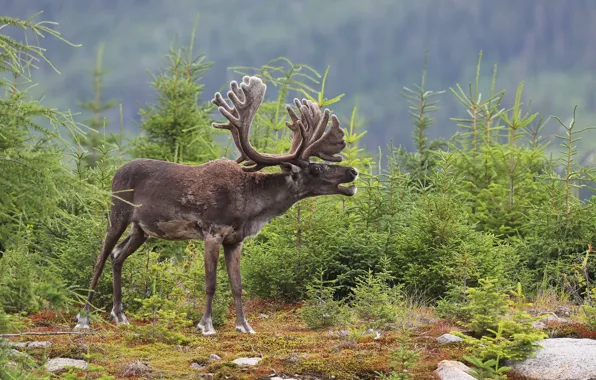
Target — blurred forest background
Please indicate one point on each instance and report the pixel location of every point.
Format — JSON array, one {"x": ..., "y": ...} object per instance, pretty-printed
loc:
[{"x": 374, "y": 48}]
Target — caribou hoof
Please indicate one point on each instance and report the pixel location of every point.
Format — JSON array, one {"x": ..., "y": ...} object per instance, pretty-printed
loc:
[
  {"x": 206, "y": 327},
  {"x": 119, "y": 318},
  {"x": 83, "y": 322},
  {"x": 244, "y": 327}
]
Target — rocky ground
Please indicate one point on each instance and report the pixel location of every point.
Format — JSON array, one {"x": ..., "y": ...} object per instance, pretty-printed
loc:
[{"x": 284, "y": 347}]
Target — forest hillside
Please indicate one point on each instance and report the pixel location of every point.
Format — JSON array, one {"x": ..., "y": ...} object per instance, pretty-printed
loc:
[{"x": 374, "y": 50}]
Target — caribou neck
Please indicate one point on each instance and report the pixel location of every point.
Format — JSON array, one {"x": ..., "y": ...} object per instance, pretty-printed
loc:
[{"x": 273, "y": 193}]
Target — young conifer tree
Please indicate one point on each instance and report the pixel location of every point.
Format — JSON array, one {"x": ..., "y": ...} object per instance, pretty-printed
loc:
[
  {"x": 176, "y": 127},
  {"x": 97, "y": 122}
]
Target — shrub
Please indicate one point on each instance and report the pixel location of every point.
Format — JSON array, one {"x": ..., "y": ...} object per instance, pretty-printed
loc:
[
  {"x": 502, "y": 328},
  {"x": 486, "y": 307},
  {"x": 438, "y": 248},
  {"x": 165, "y": 322},
  {"x": 404, "y": 359},
  {"x": 452, "y": 306},
  {"x": 487, "y": 370},
  {"x": 322, "y": 310},
  {"x": 374, "y": 302}
]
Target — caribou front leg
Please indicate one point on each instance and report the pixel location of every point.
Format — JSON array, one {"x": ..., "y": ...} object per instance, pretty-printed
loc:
[
  {"x": 232, "y": 253},
  {"x": 212, "y": 246}
]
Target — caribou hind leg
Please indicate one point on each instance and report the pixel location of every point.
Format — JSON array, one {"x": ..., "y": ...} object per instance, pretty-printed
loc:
[
  {"x": 133, "y": 241},
  {"x": 212, "y": 246},
  {"x": 113, "y": 234}
]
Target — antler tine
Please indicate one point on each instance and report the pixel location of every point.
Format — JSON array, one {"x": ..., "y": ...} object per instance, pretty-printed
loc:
[
  {"x": 298, "y": 127},
  {"x": 221, "y": 103},
  {"x": 315, "y": 142},
  {"x": 329, "y": 144},
  {"x": 246, "y": 100},
  {"x": 309, "y": 120}
]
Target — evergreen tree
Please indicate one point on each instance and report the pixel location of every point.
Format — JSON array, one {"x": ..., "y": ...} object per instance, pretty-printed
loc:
[
  {"x": 176, "y": 128},
  {"x": 97, "y": 121}
]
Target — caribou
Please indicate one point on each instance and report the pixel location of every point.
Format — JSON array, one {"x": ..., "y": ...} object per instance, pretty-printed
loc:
[{"x": 221, "y": 202}]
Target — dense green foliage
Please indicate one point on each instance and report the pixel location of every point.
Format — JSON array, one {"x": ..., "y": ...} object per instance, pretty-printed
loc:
[{"x": 436, "y": 220}]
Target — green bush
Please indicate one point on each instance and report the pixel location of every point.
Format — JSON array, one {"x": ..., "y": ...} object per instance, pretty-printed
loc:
[
  {"x": 165, "y": 323},
  {"x": 487, "y": 370},
  {"x": 501, "y": 328},
  {"x": 374, "y": 302},
  {"x": 322, "y": 309},
  {"x": 404, "y": 358},
  {"x": 590, "y": 312}
]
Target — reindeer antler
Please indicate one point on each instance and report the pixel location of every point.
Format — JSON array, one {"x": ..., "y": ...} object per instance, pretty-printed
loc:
[
  {"x": 309, "y": 139},
  {"x": 317, "y": 143},
  {"x": 246, "y": 100}
]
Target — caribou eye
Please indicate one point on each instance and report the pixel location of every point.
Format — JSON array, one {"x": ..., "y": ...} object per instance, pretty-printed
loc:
[{"x": 315, "y": 170}]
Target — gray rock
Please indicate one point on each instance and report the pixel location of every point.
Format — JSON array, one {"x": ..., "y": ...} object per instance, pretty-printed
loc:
[
  {"x": 12, "y": 366},
  {"x": 453, "y": 370},
  {"x": 137, "y": 368},
  {"x": 539, "y": 325},
  {"x": 19, "y": 360},
  {"x": 19, "y": 344},
  {"x": 60, "y": 364},
  {"x": 214, "y": 357},
  {"x": 449, "y": 338},
  {"x": 294, "y": 358},
  {"x": 39, "y": 344},
  {"x": 197, "y": 366},
  {"x": 17, "y": 355},
  {"x": 282, "y": 378},
  {"x": 373, "y": 332},
  {"x": 246, "y": 361},
  {"x": 560, "y": 359},
  {"x": 209, "y": 376}
]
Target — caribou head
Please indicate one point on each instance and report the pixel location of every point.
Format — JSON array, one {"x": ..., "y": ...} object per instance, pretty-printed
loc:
[{"x": 222, "y": 202}]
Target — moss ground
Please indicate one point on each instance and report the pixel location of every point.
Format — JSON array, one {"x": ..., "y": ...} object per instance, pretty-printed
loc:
[{"x": 287, "y": 347}]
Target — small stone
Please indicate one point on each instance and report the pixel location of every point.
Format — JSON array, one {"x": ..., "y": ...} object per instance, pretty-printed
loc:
[
  {"x": 539, "y": 325},
  {"x": 19, "y": 344},
  {"x": 214, "y": 357},
  {"x": 246, "y": 361},
  {"x": 12, "y": 366},
  {"x": 137, "y": 368},
  {"x": 453, "y": 370},
  {"x": 20, "y": 360},
  {"x": 294, "y": 358},
  {"x": 263, "y": 316},
  {"x": 59, "y": 364},
  {"x": 563, "y": 310},
  {"x": 197, "y": 366},
  {"x": 209, "y": 376},
  {"x": 449, "y": 338},
  {"x": 17, "y": 355},
  {"x": 39, "y": 344}
]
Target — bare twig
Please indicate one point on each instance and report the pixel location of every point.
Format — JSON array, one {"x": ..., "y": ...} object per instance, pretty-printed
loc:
[{"x": 49, "y": 333}]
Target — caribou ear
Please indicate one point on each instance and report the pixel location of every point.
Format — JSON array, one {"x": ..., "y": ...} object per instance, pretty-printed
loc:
[{"x": 288, "y": 168}]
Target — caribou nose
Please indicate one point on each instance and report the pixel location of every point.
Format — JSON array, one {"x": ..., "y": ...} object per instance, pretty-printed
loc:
[{"x": 354, "y": 172}]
